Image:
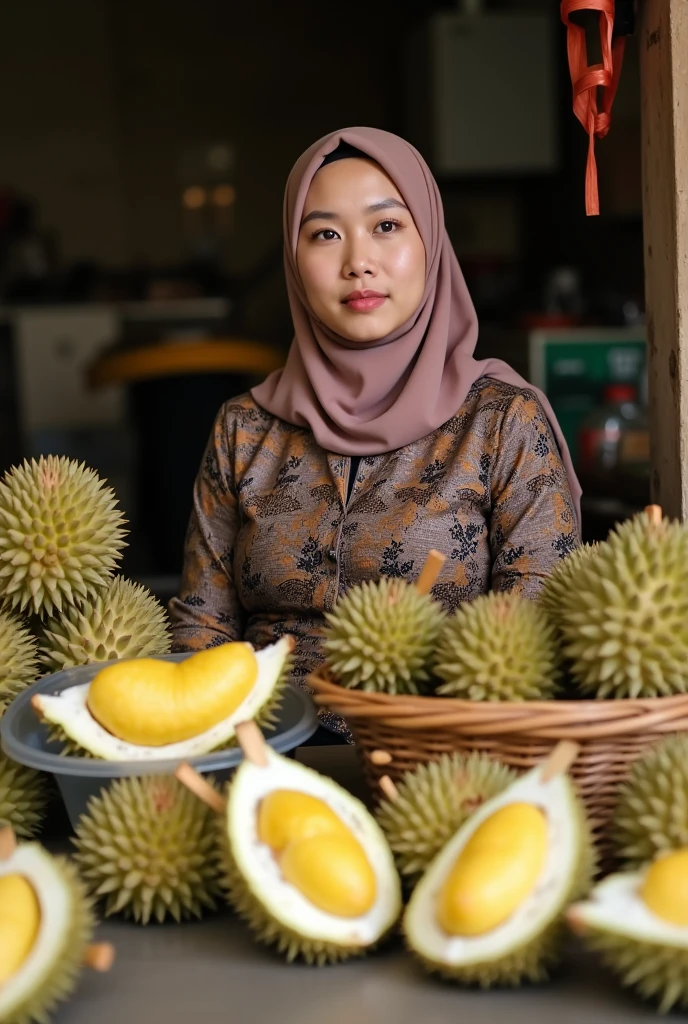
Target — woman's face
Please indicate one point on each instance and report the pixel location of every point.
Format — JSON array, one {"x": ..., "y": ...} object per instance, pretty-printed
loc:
[{"x": 359, "y": 253}]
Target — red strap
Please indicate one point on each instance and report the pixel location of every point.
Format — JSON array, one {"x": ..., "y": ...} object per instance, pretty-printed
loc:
[{"x": 586, "y": 79}]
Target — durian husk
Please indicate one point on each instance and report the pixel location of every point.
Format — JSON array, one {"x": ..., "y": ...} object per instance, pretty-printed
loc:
[
  {"x": 558, "y": 583},
  {"x": 60, "y": 980},
  {"x": 651, "y": 815},
  {"x": 624, "y": 615},
  {"x": 433, "y": 801},
  {"x": 23, "y": 797},
  {"x": 658, "y": 973},
  {"x": 285, "y": 941},
  {"x": 267, "y": 719},
  {"x": 498, "y": 647},
  {"x": 146, "y": 847},
  {"x": 123, "y": 621},
  {"x": 534, "y": 961},
  {"x": 61, "y": 534},
  {"x": 380, "y": 637},
  {"x": 18, "y": 658}
]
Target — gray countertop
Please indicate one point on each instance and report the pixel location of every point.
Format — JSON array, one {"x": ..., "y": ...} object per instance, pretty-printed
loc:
[{"x": 212, "y": 971}]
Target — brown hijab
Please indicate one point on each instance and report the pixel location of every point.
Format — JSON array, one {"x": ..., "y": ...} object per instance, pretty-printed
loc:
[{"x": 369, "y": 399}]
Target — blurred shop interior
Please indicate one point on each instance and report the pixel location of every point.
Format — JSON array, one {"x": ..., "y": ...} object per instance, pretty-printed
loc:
[{"x": 143, "y": 157}]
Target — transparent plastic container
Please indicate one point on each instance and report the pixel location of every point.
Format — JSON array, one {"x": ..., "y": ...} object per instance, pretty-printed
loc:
[
  {"x": 24, "y": 738},
  {"x": 615, "y": 437}
]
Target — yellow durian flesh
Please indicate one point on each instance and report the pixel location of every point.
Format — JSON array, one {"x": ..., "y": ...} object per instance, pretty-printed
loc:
[
  {"x": 495, "y": 872},
  {"x": 317, "y": 853},
  {"x": 665, "y": 888},
  {"x": 20, "y": 920},
  {"x": 153, "y": 703}
]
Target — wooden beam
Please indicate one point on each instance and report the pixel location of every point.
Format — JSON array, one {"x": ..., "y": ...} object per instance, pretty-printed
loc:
[{"x": 663, "y": 39}]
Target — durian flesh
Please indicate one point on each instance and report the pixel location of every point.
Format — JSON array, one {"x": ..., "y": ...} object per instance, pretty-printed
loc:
[
  {"x": 523, "y": 945},
  {"x": 279, "y": 911},
  {"x": 70, "y": 711},
  {"x": 640, "y": 945},
  {"x": 47, "y": 974}
]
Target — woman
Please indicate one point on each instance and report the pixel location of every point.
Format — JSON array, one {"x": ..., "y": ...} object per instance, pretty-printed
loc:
[{"x": 381, "y": 437}]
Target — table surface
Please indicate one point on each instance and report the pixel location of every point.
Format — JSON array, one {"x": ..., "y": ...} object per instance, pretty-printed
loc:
[{"x": 212, "y": 971}]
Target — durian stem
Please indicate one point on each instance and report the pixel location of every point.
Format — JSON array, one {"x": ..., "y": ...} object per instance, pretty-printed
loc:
[
  {"x": 560, "y": 760},
  {"x": 654, "y": 514},
  {"x": 8, "y": 840},
  {"x": 100, "y": 956},
  {"x": 380, "y": 757},
  {"x": 252, "y": 743},
  {"x": 430, "y": 571},
  {"x": 388, "y": 788},
  {"x": 194, "y": 782}
]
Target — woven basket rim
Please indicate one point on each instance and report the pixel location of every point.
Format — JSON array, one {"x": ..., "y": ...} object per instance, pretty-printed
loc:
[{"x": 590, "y": 719}]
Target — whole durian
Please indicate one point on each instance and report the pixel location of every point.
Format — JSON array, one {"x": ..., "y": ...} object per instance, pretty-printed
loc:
[
  {"x": 380, "y": 637},
  {"x": 18, "y": 661},
  {"x": 624, "y": 615},
  {"x": 23, "y": 797},
  {"x": 433, "y": 801},
  {"x": 500, "y": 646},
  {"x": 146, "y": 845},
  {"x": 652, "y": 810},
  {"x": 123, "y": 621},
  {"x": 60, "y": 534},
  {"x": 558, "y": 583}
]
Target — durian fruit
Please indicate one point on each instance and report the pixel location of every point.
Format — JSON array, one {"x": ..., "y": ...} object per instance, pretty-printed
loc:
[
  {"x": 146, "y": 709},
  {"x": 638, "y": 923},
  {"x": 46, "y": 923},
  {"x": 61, "y": 534},
  {"x": 23, "y": 797},
  {"x": 123, "y": 621},
  {"x": 380, "y": 637},
  {"x": 558, "y": 583},
  {"x": 146, "y": 847},
  {"x": 433, "y": 801},
  {"x": 500, "y": 646},
  {"x": 489, "y": 909},
  {"x": 18, "y": 661},
  {"x": 651, "y": 815},
  {"x": 624, "y": 615},
  {"x": 306, "y": 864}
]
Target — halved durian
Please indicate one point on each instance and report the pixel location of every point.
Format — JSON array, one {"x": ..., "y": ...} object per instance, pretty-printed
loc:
[
  {"x": 488, "y": 910},
  {"x": 306, "y": 864},
  {"x": 46, "y": 924},
  {"x": 145, "y": 709},
  {"x": 638, "y": 922}
]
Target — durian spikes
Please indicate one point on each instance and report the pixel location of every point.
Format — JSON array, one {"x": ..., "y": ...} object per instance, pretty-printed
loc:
[
  {"x": 498, "y": 647},
  {"x": 61, "y": 534},
  {"x": 624, "y": 616},
  {"x": 123, "y": 621},
  {"x": 23, "y": 797},
  {"x": 18, "y": 660}
]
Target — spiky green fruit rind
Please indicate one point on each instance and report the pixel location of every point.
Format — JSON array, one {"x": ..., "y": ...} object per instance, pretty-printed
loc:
[
  {"x": 652, "y": 809},
  {"x": 23, "y": 797},
  {"x": 123, "y": 621},
  {"x": 432, "y": 803},
  {"x": 287, "y": 943},
  {"x": 624, "y": 618},
  {"x": 497, "y": 647},
  {"x": 60, "y": 534},
  {"x": 656, "y": 972},
  {"x": 18, "y": 660},
  {"x": 380, "y": 637},
  {"x": 146, "y": 846},
  {"x": 558, "y": 583},
  {"x": 60, "y": 977}
]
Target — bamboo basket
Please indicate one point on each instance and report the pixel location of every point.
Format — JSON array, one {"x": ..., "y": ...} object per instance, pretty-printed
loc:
[{"x": 396, "y": 733}]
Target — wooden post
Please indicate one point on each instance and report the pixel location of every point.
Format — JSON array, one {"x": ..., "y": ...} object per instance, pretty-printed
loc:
[{"x": 663, "y": 40}]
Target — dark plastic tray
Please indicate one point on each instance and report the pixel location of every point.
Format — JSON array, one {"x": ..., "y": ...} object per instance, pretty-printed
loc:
[{"x": 25, "y": 739}]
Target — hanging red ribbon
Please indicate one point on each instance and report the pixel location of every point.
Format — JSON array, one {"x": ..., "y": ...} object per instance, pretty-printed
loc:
[{"x": 587, "y": 79}]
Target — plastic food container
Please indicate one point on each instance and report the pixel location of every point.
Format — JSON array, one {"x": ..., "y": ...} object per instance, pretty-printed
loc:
[{"x": 25, "y": 739}]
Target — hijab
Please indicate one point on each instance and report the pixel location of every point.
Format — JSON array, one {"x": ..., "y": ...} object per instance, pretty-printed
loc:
[{"x": 368, "y": 399}]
